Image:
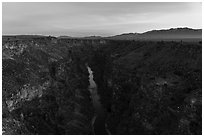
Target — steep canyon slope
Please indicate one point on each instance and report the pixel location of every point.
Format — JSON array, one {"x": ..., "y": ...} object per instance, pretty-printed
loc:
[
  {"x": 150, "y": 87},
  {"x": 45, "y": 87}
]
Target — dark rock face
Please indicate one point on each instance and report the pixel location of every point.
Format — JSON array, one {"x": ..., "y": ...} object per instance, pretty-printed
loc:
[
  {"x": 151, "y": 87},
  {"x": 45, "y": 89}
]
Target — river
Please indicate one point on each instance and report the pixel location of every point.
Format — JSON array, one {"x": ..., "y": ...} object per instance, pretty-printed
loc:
[{"x": 99, "y": 124}]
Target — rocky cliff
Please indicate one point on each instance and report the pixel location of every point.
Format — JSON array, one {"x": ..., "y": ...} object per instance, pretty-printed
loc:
[{"x": 45, "y": 87}]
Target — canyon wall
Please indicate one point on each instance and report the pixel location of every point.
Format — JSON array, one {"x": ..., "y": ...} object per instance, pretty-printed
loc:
[{"x": 45, "y": 88}]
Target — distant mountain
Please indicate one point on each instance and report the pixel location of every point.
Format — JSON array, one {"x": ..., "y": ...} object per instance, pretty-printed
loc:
[
  {"x": 88, "y": 37},
  {"x": 125, "y": 36},
  {"x": 92, "y": 37},
  {"x": 165, "y": 34},
  {"x": 187, "y": 34},
  {"x": 64, "y": 37},
  {"x": 23, "y": 36}
]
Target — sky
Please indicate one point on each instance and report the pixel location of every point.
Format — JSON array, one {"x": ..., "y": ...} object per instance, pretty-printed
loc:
[{"x": 97, "y": 19}]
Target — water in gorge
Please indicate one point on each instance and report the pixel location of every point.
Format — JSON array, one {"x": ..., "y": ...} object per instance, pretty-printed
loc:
[{"x": 99, "y": 124}]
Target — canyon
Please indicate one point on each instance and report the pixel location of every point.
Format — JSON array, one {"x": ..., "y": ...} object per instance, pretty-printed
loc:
[{"x": 86, "y": 86}]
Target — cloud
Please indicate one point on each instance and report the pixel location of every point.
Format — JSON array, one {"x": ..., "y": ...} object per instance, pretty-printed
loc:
[{"x": 97, "y": 18}]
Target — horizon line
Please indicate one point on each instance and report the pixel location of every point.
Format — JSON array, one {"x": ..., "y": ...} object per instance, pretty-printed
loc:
[{"x": 100, "y": 35}]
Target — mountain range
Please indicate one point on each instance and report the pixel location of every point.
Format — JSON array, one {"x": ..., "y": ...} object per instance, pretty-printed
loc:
[
  {"x": 173, "y": 34},
  {"x": 165, "y": 34}
]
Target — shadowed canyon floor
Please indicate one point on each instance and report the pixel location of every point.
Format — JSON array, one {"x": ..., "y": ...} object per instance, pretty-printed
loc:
[{"x": 100, "y": 116}]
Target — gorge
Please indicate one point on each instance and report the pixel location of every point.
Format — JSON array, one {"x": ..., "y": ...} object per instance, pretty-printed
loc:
[
  {"x": 100, "y": 116},
  {"x": 101, "y": 86}
]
